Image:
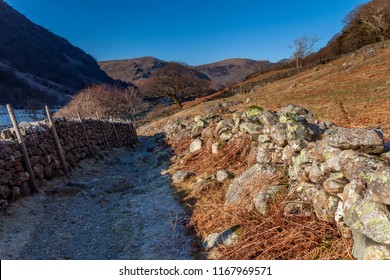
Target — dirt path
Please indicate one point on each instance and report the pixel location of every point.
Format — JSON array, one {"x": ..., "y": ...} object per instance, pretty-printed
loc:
[{"x": 120, "y": 207}]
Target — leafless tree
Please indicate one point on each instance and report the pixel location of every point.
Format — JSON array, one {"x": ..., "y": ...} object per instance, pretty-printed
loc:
[
  {"x": 375, "y": 17},
  {"x": 106, "y": 100},
  {"x": 175, "y": 81},
  {"x": 303, "y": 47}
]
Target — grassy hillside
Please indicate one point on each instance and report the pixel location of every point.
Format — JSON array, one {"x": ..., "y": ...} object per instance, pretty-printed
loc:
[{"x": 353, "y": 91}]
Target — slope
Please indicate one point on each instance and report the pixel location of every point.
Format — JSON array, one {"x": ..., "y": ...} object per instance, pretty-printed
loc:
[{"x": 39, "y": 66}]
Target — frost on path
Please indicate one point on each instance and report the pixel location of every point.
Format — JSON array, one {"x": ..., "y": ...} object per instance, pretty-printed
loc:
[{"x": 120, "y": 207}]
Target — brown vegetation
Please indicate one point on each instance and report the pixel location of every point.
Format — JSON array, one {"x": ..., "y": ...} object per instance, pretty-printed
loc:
[{"x": 108, "y": 101}]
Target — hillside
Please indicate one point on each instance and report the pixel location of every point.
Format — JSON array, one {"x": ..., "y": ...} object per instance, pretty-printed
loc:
[
  {"x": 231, "y": 71},
  {"x": 352, "y": 91},
  {"x": 222, "y": 73},
  {"x": 37, "y": 66}
]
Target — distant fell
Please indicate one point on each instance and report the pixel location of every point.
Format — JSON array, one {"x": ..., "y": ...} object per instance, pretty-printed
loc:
[{"x": 221, "y": 74}]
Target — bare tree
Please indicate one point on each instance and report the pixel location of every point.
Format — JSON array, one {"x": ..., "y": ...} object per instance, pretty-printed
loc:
[
  {"x": 375, "y": 17},
  {"x": 106, "y": 100},
  {"x": 303, "y": 47},
  {"x": 175, "y": 81}
]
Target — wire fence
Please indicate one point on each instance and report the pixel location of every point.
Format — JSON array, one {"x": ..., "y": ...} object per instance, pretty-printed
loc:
[{"x": 21, "y": 115}]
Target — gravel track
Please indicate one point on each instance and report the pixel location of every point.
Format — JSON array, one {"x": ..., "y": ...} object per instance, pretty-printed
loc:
[{"x": 119, "y": 207}]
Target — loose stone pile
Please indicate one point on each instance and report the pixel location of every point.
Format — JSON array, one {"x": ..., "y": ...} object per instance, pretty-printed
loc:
[{"x": 340, "y": 174}]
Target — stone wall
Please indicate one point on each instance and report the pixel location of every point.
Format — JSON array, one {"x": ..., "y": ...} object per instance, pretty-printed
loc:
[
  {"x": 43, "y": 153},
  {"x": 340, "y": 174}
]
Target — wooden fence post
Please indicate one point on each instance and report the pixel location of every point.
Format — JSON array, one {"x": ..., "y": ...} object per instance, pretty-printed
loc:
[
  {"x": 116, "y": 133},
  {"x": 27, "y": 162},
  {"x": 102, "y": 129},
  {"x": 58, "y": 143},
  {"x": 85, "y": 133}
]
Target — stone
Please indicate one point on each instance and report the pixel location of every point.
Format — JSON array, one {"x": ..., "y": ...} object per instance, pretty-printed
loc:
[
  {"x": 268, "y": 119},
  {"x": 364, "y": 216},
  {"x": 264, "y": 153},
  {"x": 325, "y": 206},
  {"x": 253, "y": 111},
  {"x": 226, "y": 135},
  {"x": 181, "y": 175},
  {"x": 369, "y": 54},
  {"x": 223, "y": 175},
  {"x": 200, "y": 121},
  {"x": 3, "y": 204},
  {"x": 298, "y": 145},
  {"x": 300, "y": 111},
  {"x": 226, "y": 237},
  {"x": 361, "y": 139},
  {"x": 24, "y": 176},
  {"x": 216, "y": 147},
  {"x": 333, "y": 187},
  {"x": 196, "y": 131},
  {"x": 278, "y": 134},
  {"x": 4, "y": 192},
  {"x": 208, "y": 132},
  {"x": 266, "y": 196},
  {"x": 15, "y": 193},
  {"x": 253, "y": 129},
  {"x": 223, "y": 124},
  {"x": 297, "y": 208},
  {"x": 196, "y": 145},
  {"x": 306, "y": 191},
  {"x": 316, "y": 175},
  {"x": 377, "y": 252},
  {"x": 240, "y": 184},
  {"x": 332, "y": 158},
  {"x": 287, "y": 154}
]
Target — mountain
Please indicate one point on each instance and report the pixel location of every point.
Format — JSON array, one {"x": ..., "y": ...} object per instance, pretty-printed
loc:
[
  {"x": 37, "y": 66},
  {"x": 134, "y": 70},
  {"x": 232, "y": 71},
  {"x": 222, "y": 73}
]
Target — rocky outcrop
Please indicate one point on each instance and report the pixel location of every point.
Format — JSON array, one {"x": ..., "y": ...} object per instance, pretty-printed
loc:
[{"x": 342, "y": 175}]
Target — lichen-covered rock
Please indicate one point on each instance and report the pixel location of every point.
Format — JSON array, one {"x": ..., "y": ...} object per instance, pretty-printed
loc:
[
  {"x": 287, "y": 154},
  {"x": 365, "y": 216},
  {"x": 226, "y": 237},
  {"x": 253, "y": 111},
  {"x": 278, "y": 134},
  {"x": 306, "y": 191},
  {"x": 266, "y": 196},
  {"x": 208, "y": 132},
  {"x": 196, "y": 131},
  {"x": 316, "y": 174},
  {"x": 333, "y": 187},
  {"x": 325, "y": 206},
  {"x": 264, "y": 153},
  {"x": 181, "y": 175},
  {"x": 200, "y": 121},
  {"x": 268, "y": 119},
  {"x": 300, "y": 111},
  {"x": 253, "y": 129},
  {"x": 377, "y": 252},
  {"x": 196, "y": 145},
  {"x": 361, "y": 139},
  {"x": 297, "y": 208},
  {"x": 240, "y": 184}
]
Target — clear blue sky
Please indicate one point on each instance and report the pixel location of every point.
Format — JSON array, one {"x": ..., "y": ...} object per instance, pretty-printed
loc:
[{"x": 194, "y": 32}]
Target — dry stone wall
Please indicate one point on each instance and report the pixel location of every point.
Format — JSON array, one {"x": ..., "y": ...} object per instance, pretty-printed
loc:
[
  {"x": 44, "y": 156},
  {"x": 340, "y": 174}
]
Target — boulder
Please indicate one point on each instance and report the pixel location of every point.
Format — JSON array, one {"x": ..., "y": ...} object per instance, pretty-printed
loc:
[
  {"x": 241, "y": 184},
  {"x": 361, "y": 139},
  {"x": 278, "y": 134},
  {"x": 226, "y": 237},
  {"x": 181, "y": 175},
  {"x": 253, "y": 129},
  {"x": 196, "y": 145},
  {"x": 216, "y": 147},
  {"x": 253, "y": 111},
  {"x": 266, "y": 196},
  {"x": 325, "y": 206},
  {"x": 264, "y": 153},
  {"x": 223, "y": 175}
]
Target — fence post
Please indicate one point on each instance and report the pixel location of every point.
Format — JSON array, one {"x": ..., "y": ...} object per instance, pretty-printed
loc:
[
  {"x": 116, "y": 133},
  {"x": 24, "y": 149},
  {"x": 102, "y": 129},
  {"x": 58, "y": 143},
  {"x": 85, "y": 133}
]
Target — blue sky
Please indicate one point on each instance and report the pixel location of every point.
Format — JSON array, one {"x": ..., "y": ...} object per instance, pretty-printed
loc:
[{"x": 194, "y": 32}]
